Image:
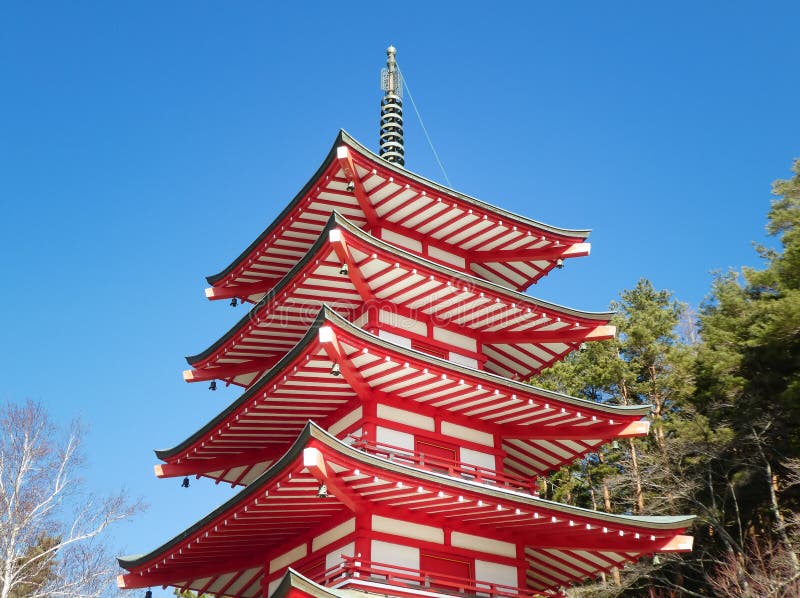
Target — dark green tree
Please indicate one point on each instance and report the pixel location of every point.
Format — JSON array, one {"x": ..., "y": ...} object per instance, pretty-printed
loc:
[
  {"x": 646, "y": 364},
  {"x": 748, "y": 376}
]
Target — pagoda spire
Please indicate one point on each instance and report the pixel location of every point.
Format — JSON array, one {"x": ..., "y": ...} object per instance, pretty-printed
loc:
[{"x": 391, "y": 148}]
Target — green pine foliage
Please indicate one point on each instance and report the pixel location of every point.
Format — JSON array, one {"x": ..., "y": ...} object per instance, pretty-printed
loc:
[
  {"x": 44, "y": 570},
  {"x": 724, "y": 392}
]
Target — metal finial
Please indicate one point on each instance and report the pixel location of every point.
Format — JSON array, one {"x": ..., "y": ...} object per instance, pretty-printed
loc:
[{"x": 392, "y": 111}]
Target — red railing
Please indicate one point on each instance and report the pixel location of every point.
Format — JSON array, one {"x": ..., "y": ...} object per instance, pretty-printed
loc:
[
  {"x": 352, "y": 570},
  {"x": 450, "y": 467}
]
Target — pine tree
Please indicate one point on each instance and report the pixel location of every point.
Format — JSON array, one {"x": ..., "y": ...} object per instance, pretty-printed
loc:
[
  {"x": 748, "y": 376},
  {"x": 645, "y": 365}
]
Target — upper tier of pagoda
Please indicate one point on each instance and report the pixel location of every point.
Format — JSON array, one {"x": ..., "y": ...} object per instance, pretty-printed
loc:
[
  {"x": 404, "y": 209},
  {"x": 534, "y": 430},
  {"x": 442, "y": 310},
  {"x": 283, "y": 519}
]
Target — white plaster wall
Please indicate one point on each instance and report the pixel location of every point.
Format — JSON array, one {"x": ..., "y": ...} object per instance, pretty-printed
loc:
[
  {"x": 406, "y": 529},
  {"x": 409, "y": 418},
  {"x": 481, "y": 544},
  {"x": 403, "y": 323},
  {"x": 455, "y": 339},
  {"x": 334, "y": 557},
  {"x": 398, "y": 340},
  {"x": 460, "y": 432},
  {"x": 401, "y": 240},
  {"x": 395, "y": 554},
  {"x": 402, "y": 440},
  {"x": 287, "y": 558},
  {"x": 333, "y": 534},
  {"x": 495, "y": 573},
  {"x": 477, "y": 458}
]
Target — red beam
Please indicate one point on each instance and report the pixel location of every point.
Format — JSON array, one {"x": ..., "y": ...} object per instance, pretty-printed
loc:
[
  {"x": 346, "y": 163},
  {"x": 165, "y": 576},
  {"x": 532, "y": 255},
  {"x": 229, "y": 371},
  {"x": 241, "y": 291},
  {"x": 582, "y": 539},
  {"x": 353, "y": 271},
  {"x": 598, "y": 431},
  {"x": 328, "y": 340},
  {"x": 199, "y": 466},
  {"x": 314, "y": 462}
]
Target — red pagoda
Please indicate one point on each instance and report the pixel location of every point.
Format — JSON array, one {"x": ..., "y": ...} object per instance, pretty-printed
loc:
[{"x": 386, "y": 441}]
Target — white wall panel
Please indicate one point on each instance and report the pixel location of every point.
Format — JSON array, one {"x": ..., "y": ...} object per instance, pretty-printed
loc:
[
  {"x": 334, "y": 557},
  {"x": 394, "y": 438},
  {"x": 495, "y": 573},
  {"x": 477, "y": 458},
  {"x": 406, "y": 529},
  {"x": 409, "y": 418},
  {"x": 336, "y": 533},
  {"x": 395, "y": 554},
  {"x": 461, "y": 432}
]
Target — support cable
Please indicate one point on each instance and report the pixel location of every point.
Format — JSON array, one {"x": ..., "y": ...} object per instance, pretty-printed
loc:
[{"x": 422, "y": 124}]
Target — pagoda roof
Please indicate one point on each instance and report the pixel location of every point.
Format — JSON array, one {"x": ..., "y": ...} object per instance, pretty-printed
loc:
[
  {"x": 225, "y": 551},
  {"x": 501, "y": 246},
  {"x": 541, "y": 429},
  {"x": 292, "y": 580},
  {"x": 519, "y": 335}
]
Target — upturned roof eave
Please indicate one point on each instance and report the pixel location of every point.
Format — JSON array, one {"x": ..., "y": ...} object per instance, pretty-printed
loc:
[
  {"x": 327, "y": 313},
  {"x": 274, "y": 291},
  {"x": 273, "y": 372},
  {"x": 336, "y": 219},
  {"x": 344, "y": 137},
  {"x": 133, "y": 561},
  {"x": 215, "y": 278},
  {"x": 312, "y": 431}
]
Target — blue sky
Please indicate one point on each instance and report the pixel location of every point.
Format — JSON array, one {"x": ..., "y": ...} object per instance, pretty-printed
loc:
[{"x": 144, "y": 145}]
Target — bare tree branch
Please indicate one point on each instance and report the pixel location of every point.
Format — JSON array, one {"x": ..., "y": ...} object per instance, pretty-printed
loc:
[{"x": 50, "y": 527}]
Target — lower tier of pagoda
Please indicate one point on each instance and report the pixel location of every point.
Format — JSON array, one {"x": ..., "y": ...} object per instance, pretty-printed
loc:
[{"x": 351, "y": 519}]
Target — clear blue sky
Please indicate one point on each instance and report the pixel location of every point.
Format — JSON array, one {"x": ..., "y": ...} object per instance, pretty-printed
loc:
[{"x": 144, "y": 145}]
